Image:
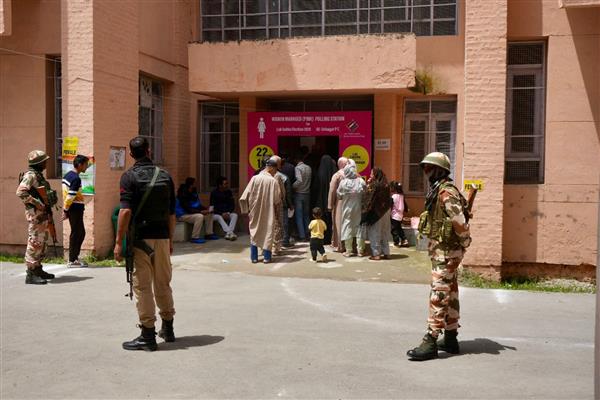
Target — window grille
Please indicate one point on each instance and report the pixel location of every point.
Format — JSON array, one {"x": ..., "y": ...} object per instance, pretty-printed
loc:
[
  {"x": 525, "y": 108},
  {"x": 57, "y": 83},
  {"x": 151, "y": 115},
  {"x": 219, "y": 145},
  {"x": 429, "y": 125},
  {"x": 227, "y": 20}
]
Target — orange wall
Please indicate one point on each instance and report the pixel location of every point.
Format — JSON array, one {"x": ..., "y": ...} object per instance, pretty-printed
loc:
[
  {"x": 365, "y": 62},
  {"x": 104, "y": 47},
  {"x": 556, "y": 222},
  {"x": 35, "y": 34}
]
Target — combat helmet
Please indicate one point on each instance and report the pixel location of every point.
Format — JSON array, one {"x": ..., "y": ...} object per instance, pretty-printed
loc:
[
  {"x": 36, "y": 157},
  {"x": 438, "y": 159}
]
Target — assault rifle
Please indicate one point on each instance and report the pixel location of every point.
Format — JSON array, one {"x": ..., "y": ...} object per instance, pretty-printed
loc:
[
  {"x": 129, "y": 258},
  {"x": 48, "y": 208},
  {"x": 471, "y": 194}
]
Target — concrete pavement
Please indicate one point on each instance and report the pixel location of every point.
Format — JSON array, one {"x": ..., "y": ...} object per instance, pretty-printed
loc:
[{"x": 242, "y": 335}]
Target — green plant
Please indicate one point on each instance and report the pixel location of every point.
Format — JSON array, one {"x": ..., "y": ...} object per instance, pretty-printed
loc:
[
  {"x": 424, "y": 82},
  {"x": 470, "y": 279},
  {"x": 101, "y": 262}
]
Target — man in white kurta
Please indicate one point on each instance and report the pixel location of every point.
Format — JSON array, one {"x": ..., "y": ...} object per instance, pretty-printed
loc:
[{"x": 260, "y": 200}]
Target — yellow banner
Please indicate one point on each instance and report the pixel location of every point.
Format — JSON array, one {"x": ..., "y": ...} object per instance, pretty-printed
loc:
[
  {"x": 477, "y": 182},
  {"x": 69, "y": 147}
]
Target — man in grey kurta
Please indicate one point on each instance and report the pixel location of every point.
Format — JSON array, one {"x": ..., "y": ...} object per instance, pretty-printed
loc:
[{"x": 260, "y": 200}]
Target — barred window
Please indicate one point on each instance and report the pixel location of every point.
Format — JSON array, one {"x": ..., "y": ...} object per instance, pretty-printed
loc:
[
  {"x": 56, "y": 145},
  {"x": 429, "y": 125},
  {"x": 525, "y": 107},
  {"x": 219, "y": 144},
  {"x": 227, "y": 20},
  {"x": 151, "y": 115}
]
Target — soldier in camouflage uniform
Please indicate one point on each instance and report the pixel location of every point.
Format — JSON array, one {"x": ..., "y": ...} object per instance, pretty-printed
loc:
[
  {"x": 37, "y": 217},
  {"x": 445, "y": 223}
]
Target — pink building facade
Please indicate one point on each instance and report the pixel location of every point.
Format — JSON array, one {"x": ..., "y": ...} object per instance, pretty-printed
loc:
[{"x": 509, "y": 89}]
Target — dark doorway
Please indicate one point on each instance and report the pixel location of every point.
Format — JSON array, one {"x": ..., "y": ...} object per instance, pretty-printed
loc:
[{"x": 314, "y": 146}]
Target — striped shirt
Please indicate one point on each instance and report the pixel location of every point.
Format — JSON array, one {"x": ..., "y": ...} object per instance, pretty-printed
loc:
[{"x": 73, "y": 198}]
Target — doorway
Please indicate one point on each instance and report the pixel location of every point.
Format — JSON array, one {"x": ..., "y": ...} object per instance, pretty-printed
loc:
[{"x": 314, "y": 147}]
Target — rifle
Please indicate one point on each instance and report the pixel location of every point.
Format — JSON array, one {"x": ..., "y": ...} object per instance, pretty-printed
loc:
[
  {"x": 129, "y": 259},
  {"x": 51, "y": 227},
  {"x": 471, "y": 200}
]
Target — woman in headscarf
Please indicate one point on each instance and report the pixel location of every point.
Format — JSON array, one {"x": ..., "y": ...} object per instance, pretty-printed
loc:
[
  {"x": 350, "y": 192},
  {"x": 334, "y": 206},
  {"x": 376, "y": 214},
  {"x": 326, "y": 170}
]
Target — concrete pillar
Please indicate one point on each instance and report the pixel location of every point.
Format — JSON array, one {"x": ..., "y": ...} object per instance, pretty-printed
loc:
[
  {"x": 485, "y": 108},
  {"x": 386, "y": 127},
  {"x": 100, "y": 98}
]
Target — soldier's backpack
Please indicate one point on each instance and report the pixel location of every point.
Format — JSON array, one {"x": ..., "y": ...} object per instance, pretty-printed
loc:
[{"x": 155, "y": 210}]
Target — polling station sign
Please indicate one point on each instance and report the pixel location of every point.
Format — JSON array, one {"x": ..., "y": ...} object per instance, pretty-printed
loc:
[{"x": 353, "y": 128}]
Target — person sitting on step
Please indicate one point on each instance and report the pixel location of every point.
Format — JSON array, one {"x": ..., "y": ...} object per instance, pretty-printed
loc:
[{"x": 189, "y": 209}]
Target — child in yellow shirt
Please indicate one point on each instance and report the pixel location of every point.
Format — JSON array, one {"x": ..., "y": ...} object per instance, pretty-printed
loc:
[{"x": 317, "y": 234}]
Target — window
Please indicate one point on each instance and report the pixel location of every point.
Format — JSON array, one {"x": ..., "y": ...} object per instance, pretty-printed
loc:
[
  {"x": 54, "y": 135},
  {"x": 525, "y": 108},
  {"x": 151, "y": 115},
  {"x": 429, "y": 125},
  {"x": 219, "y": 144},
  {"x": 225, "y": 20}
]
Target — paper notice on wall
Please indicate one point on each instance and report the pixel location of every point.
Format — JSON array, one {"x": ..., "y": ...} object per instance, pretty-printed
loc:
[
  {"x": 477, "y": 182},
  {"x": 88, "y": 178},
  {"x": 383, "y": 144},
  {"x": 116, "y": 158},
  {"x": 69, "y": 147}
]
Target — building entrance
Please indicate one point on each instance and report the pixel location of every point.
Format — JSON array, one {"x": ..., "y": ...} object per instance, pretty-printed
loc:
[{"x": 314, "y": 147}]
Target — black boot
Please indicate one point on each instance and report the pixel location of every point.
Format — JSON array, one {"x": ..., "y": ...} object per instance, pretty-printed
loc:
[
  {"x": 146, "y": 341},
  {"x": 33, "y": 278},
  {"x": 448, "y": 343},
  {"x": 426, "y": 351},
  {"x": 166, "y": 331},
  {"x": 43, "y": 274}
]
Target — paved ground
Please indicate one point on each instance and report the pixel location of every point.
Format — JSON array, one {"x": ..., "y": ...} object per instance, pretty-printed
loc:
[
  {"x": 242, "y": 335},
  {"x": 406, "y": 265}
]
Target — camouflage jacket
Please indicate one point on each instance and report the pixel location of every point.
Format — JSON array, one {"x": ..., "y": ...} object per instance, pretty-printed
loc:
[
  {"x": 26, "y": 190},
  {"x": 446, "y": 225}
]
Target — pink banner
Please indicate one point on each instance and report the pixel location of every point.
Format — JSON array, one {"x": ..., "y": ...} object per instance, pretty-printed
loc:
[{"x": 351, "y": 131}]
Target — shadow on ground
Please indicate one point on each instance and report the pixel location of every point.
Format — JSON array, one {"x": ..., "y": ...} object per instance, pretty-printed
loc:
[
  {"x": 185, "y": 342},
  {"x": 478, "y": 346},
  {"x": 69, "y": 279}
]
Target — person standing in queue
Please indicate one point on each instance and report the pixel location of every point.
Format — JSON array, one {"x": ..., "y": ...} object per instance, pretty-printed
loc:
[
  {"x": 148, "y": 202},
  {"x": 445, "y": 223},
  {"x": 301, "y": 185}
]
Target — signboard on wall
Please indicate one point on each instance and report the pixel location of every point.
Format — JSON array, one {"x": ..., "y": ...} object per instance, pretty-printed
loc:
[
  {"x": 383, "y": 144},
  {"x": 353, "y": 128}
]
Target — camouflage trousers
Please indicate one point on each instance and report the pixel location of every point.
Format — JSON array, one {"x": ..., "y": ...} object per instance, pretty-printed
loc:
[
  {"x": 444, "y": 307},
  {"x": 37, "y": 237}
]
